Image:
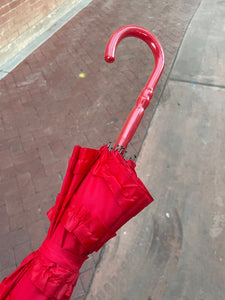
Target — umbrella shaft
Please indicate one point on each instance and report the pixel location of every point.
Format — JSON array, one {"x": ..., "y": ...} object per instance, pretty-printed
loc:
[{"x": 130, "y": 127}]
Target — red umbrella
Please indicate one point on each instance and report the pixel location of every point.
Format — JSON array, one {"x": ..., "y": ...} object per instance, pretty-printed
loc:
[{"x": 100, "y": 193}]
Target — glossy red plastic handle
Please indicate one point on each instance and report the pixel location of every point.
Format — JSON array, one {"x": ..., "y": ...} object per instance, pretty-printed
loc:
[{"x": 146, "y": 94}]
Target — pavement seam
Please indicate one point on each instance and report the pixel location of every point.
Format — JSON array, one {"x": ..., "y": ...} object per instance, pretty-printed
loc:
[
  {"x": 192, "y": 81},
  {"x": 96, "y": 266}
]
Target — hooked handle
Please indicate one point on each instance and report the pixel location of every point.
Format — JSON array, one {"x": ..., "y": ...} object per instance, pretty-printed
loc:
[{"x": 146, "y": 94}]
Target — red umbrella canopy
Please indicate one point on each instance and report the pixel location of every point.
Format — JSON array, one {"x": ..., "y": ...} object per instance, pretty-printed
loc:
[{"x": 100, "y": 193}]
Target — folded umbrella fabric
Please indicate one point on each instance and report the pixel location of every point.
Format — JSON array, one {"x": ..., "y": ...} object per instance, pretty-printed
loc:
[{"x": 100, "y": 193}]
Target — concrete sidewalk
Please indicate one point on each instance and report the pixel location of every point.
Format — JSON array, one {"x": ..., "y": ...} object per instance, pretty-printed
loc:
[
  {"x": 47, "y": 108},
  {"x": 175, "y": 248}
]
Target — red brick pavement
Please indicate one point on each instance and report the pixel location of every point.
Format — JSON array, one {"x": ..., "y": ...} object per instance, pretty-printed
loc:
[{"x": 46, "y": 109}]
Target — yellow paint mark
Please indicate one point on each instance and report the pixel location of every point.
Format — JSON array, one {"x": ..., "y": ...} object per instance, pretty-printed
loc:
[{"x": 82, "y": 75}]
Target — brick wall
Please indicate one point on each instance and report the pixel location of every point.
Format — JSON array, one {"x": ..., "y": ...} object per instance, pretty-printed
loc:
[{"x": 16, "y": 16}]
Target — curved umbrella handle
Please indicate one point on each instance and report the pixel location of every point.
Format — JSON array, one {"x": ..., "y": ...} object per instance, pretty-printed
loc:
[{"x": 146, "y": 94}]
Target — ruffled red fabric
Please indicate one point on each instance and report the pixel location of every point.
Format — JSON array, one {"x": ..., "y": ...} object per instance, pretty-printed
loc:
[
  {"x": 108, "y": 197},
  {"x": 46, "y": 269},
  {"x": 100, "y": 193}
]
